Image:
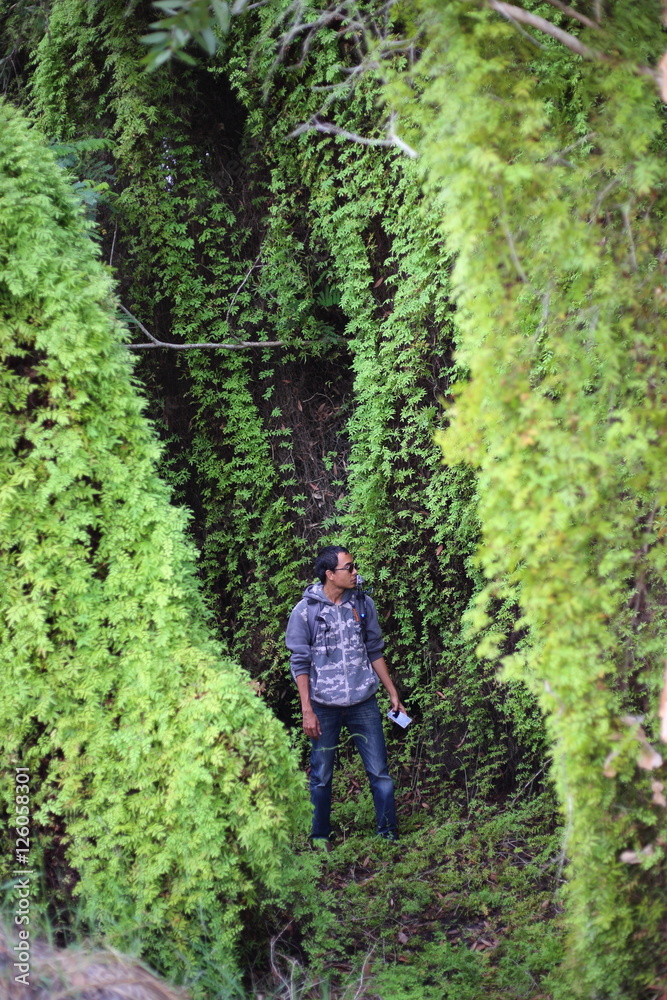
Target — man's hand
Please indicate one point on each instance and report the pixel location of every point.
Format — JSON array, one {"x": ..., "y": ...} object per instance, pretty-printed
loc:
[
  {"x": 396, "y": 704},
  {"x": 311, "y": 724}
]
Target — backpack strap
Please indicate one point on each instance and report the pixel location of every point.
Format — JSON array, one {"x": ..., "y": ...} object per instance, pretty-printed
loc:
[
  {"x": 311, "y": 610},
  {"x": 359, "y": 604}
]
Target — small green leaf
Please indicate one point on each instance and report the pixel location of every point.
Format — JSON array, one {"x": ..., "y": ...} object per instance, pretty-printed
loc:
[
  {"x": 208, "y": 41},
  {"x": 155, "y": 38},
  {"x": 222, "y": 14}
]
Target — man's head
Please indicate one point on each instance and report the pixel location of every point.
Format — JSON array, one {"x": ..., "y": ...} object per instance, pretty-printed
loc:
[{"x": 337, "y": 561}]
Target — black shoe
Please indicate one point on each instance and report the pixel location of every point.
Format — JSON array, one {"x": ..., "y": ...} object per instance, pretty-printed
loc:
[
  {"x": 320, "y": 844},
  {"x": 391, "y": 836}
]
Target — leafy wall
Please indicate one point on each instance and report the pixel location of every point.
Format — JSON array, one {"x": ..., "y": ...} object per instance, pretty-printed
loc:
[
  {"x": 547, "y": 170},
  {"x": 543, "y": 155},
  {"x": 162, "y": 790},
  {"x": 222, "y": 229},
  {"x": 536, "y": 208}
]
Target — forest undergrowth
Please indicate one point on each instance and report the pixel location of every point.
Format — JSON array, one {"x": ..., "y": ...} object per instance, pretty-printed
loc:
[{"x": 464, "y": 907}]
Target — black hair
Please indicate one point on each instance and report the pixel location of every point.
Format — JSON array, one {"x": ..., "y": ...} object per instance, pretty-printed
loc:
[{"x": 327, "y": 558}]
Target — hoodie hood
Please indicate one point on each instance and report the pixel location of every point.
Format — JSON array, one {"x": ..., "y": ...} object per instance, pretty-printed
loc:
[{"x": 315, "y": 591}]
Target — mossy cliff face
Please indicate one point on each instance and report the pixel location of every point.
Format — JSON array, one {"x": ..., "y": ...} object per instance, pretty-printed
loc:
[{"x": 153, "y": 764}]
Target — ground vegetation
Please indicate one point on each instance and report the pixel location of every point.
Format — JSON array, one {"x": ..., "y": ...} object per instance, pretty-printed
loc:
[{"x": 155, "y": 788}]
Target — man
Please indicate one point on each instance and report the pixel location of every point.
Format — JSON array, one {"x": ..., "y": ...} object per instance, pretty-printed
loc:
[{"x": 338, "y": 665}]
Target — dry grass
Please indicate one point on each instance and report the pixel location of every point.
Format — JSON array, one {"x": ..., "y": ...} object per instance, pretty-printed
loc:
[{"x": 77, "y": 974}]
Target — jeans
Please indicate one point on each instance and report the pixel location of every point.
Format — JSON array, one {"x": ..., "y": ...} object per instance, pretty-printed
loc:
[{"x": 365, "y": 727}]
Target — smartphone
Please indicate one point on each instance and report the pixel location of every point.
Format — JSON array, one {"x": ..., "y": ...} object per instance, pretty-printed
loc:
[{"x": 400, "y": 718}]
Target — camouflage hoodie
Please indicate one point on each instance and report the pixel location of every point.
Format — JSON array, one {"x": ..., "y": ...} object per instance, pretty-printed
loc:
[{"x": 338, "y": 661}]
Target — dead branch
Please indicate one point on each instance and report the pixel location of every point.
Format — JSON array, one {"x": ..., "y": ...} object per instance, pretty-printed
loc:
[
  {"x": 309, "y": 29},
  {"x": 628, "y": 231},
  {"x": 329, "y": 128},
  {"x": 560, "y": 156},
  {"x": 514, "y": 13},
  {"x": 154, "y": 342},
  {"x": 240, "y": 288},
  {"x": 510, "y": 239},
  {"x": 520, "y": 16},
  {"x": 571, "y": 12},
  {"x": 242, "y": 345},
  {"x": 113, "y": 244}
]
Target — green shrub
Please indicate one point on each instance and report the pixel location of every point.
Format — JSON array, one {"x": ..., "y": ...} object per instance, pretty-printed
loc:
[
  {"x": 441, "y": 971},
  {"x": 153, "y": 763},
  {"x": 547, "y": 172}
]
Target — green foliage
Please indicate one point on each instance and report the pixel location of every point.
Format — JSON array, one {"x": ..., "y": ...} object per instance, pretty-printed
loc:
[
  {"x": 94, "y": 188},
  {"x": 226, "y": 231},
  {"x": 454, "y": 911},
  {"x": 185, "y": 21},
  {"x": 410, "y": 521},
  {"x": 153, "y": 764},
  {"x": 443, "y": 973},
  {"x": 547, "y": 173}
]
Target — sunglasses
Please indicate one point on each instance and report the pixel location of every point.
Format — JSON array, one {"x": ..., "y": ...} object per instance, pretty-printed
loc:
[{"x": 348, "y": 567}]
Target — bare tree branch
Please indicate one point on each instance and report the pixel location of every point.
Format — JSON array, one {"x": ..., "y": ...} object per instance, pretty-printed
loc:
[
  {"x": 571, "y": 12},
  {"x": 241, "y": 345},
  {"x": 614, "y": 182},
  {"x": 628, "y": 230},
  {"x": 514, "y": 13},
  {"x": 154, "y": 342},
  {"x": 527, "y": 34},
  {"x": 559, "y": 157},
  {"x": 113, "y": 244},
  {"x": 239, "y": 289},
  {"x": 330, "y": 129},
  {"x": 310, "y": 29},
  {"x": 510, "y": 239},
  {"x": 396, "y": 139},
  {"x": 139, "y": 324},
  {"x": 519, "y": 15}
]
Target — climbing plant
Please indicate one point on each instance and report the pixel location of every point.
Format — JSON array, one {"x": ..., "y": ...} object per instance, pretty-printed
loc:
[
  {"x": 539, "y": 131},
  {"x": 546, "y": 170},
  {"x": 411, "y": 520},
  {"x": 162, "y": 790},
  {"x": 222, "y": 228}
]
